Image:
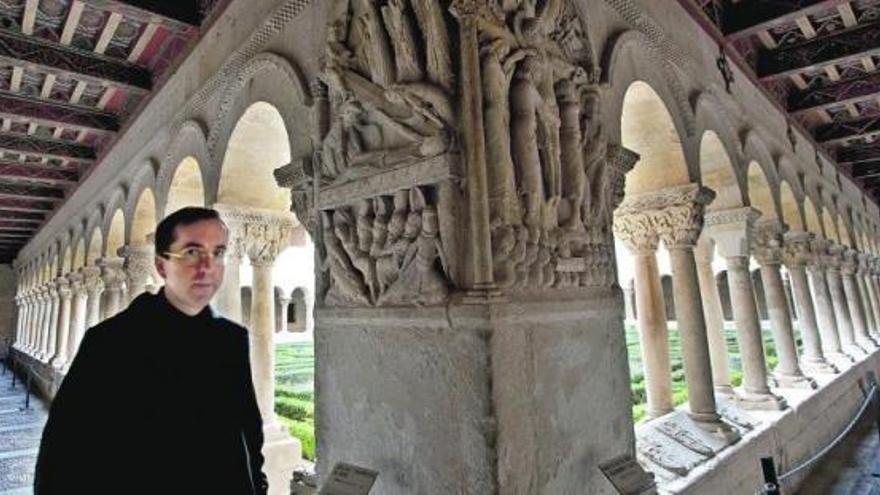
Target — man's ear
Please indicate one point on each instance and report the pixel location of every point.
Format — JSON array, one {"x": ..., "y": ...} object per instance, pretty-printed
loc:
[{"x": 160, "y": 266}]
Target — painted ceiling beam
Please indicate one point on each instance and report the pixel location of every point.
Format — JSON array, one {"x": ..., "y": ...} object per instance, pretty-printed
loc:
[
  {"x": 39, "y": 173},
  {"x": 852, "y": 90},
  {"x": 175, "y": 14},
  {"x": 837, "y": 132},
  {"x": 56, "y": 114},
  {"x": 52, "y": 148},
  {"x": 18, "y": 191},
  {"x": 54, "y": 58},
  {"x": 22, "y": 217},
  {"x": 27, "y": 205},
  {"x": 834, "y": 49},
  {"x": 866, "y": 155},
  {"x": 748, "y": 17}
]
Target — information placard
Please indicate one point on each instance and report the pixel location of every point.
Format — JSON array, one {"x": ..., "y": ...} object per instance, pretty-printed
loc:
[
  {"x": 628, "y": 477},
  {"x": 348, "y": 479}
]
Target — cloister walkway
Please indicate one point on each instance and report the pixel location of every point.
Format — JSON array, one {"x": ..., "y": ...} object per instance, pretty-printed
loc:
[
  {"x": 851, "y": 468},
  {"x": 20, "y": 432}
]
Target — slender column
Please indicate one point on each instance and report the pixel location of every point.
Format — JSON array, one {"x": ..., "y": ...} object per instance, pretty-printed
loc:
[
  {"x": 767, "y": 249},
  {"x": 857, "y": 313},
  {"x": 36, "y": 320},
  {"x": 281, "y": 318},
  {"x": 52, "y": 330},
  {"x": 139, "y": 268},
  {"x": 42, "y": 323},
  {"x": 827, "y": 320},
  {"x": 78, "y": 320},
  {"x": 25, "y": 320},
  {"x": 704, "y": 252},
  {"x": 732, "y": 230},
  {"x": 679, "y": 225},
  {"x": 61, "y": 343},
  {"x": 868, "y": 301},
  {"x": 838, "y": 298},
  {"x": 641, "y": 240},
  {"x": 19, "y": 309},
  {"x": 228, "y": 298},
  {"x": 94, "y": 288},
  {"x": 795, "y": 256},
  {"x": 874, "y": 286},
  {"x": 114, "y": 280}
]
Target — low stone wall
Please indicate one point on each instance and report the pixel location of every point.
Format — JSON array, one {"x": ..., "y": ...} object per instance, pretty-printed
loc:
[
  {"x": 792, "y": 436},
  {"x": 45, "y": 379}
]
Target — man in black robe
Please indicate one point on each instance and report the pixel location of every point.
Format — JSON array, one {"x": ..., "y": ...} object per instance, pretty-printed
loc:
[{"x": 159, "y": 398}]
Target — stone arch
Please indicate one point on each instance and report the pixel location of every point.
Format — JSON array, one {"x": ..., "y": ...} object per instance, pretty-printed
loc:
[
  {"x": 844, "y": 231},
  {"x": 627, "y": 58},
  {"x": 95, "y": 246},
  {"x": 763, "y": 180},
  {"x": 189, "y": 145},
  {"x": 791, "y": 212},
  {"x": 143, "y": 221},
  {"x": 256, "y": 147},
  {"x": 829, "y": 226},
  {"x": 115, "y": 237},
  {"x": 145, "y": 180},
  {"x": 187, "y": 186},
  {"x": 648, "y": 129},
  {"x": 812, "y": 219},
  {"x": 760, "y": 193},
  {"x": 272, "y": 79},
  {"x": 717, "y": 173}
]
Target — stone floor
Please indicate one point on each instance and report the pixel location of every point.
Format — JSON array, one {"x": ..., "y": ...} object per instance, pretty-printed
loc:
[
  {"x": 851, "y": 468},
  {"x": 20, "y": 432}
]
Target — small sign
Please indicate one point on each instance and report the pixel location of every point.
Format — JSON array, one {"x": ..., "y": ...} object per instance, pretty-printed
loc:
[
  {"x": 348, "y": 479},
  {"x": 628, "y": 477}
]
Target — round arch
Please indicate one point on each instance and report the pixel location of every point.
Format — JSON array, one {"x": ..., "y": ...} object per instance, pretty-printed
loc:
[
  {"x": 116, "y": 233},
  {"x": 186, "y": 187},
  {"x": 717, "y": 173},
  {"x": 96, "y": 243},
  {"x": 791, "y": 214},
  {"x": 829, "y": 227},
  {"x": 811, "y": 217},
  {"x": 759, "y": 192},
  {"x": 144, "y": 218}
]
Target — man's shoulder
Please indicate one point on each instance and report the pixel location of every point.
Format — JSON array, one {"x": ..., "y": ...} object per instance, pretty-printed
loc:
[{"x": 228, "y": 326}]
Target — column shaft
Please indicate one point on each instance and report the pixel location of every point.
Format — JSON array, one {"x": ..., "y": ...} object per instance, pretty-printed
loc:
[
  {"x": 52, "y": 331},
  {"x": 263, "y": 341},
  {"x": 841, "y": 312},
  {"x": 714, "y": 318},
  {"x": 654, "y": 334},
  {"x": 61, "y": 346},
  {"x": 813, "y": 358},
  {"x": 228, "y": 298},
  {"x": 787, "y": 372}
]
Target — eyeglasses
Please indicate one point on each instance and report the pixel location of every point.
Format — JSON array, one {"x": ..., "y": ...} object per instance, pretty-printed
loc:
[{"x": 192, "y": 256}]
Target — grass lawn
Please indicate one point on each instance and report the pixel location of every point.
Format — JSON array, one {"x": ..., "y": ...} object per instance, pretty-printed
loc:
[
  {"x": 295, "y": 392},
  {"x": 679, "y": 388}
]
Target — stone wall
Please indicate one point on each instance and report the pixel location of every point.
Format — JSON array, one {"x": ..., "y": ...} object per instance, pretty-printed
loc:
[{"x": 7, "y": 308}]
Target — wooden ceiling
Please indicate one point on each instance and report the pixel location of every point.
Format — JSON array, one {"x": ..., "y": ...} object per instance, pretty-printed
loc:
[
  {"x": 72, "y": 73},
  {"x": 818, "y": 59}
]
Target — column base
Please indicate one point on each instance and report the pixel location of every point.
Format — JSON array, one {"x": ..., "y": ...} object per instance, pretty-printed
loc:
[
  {"x": 760, "y": 401},
  {"x": 725, "y": 390},
  {"x": 794, "y": 381},
  {"x": 819, "y": 366},
  {"x": 715, "y": 426},
  {"x": 483, "y": 295},
  {"x": 283, "y": 454}
]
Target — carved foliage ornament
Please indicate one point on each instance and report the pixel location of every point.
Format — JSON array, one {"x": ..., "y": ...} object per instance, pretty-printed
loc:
[{"x": 674, "y": 214}]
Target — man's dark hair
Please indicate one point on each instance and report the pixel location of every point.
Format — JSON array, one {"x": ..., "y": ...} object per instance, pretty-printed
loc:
[{"x": 181, "y": 218}]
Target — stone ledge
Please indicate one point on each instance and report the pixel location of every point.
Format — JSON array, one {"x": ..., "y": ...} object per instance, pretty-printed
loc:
[{"x": 790, "y": 436}]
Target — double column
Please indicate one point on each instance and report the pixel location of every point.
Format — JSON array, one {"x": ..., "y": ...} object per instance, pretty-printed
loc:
[
  {"x": 826, "y": 317},
  {"x": 796, "y": 254},
  {"x": 676, "y": 215},
  {"x": 94, "y": 288},
  {"x": 63, "y": 329},
  {"x": 868, "y": 296},
  {"x": 228, "y": 298},
  {"x": 834, "y": 260},
  {"x": 79, "y": 308},
  {"x": 855, "y": 304},
  {"x": 139, "y": 268},
  {"x": 732, "y": 232},
  {"x": 767, "y": 249},
  {"x": 113, "y": 279}
]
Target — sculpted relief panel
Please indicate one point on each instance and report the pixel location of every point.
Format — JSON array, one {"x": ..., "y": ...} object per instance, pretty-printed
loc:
[{"x": 388, "y": 192}]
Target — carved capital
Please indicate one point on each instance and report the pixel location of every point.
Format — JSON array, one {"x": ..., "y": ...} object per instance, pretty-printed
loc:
[
  {"x": 833, "y": 257},
  {"x": 797, "y": 249},
  {"x": 676, "y": 212},
  {"x": 261, "y": 234},
  {"x": 62, "y": 285},
  {"x": 637, "y": 232},
  {"x": 767, "y": 242},
  {"x": 111, "y": 272},
  {"x": 77, "y": 283},
  {"x": 620, "y": 161},
  {"x": 850, "y": 261},
  {"x": 92, "y": 279},
  {"x": 731, "y": 230}
]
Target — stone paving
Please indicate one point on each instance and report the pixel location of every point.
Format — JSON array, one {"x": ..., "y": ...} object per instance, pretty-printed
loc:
[
  {"x": 20, "y": 432},
  {"x": 851, "y": 468}
]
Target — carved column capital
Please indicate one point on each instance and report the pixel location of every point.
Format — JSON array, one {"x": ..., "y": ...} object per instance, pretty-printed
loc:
[
  {"x": 77, "y": 282},
  {"x": 62, "y": 285},
  {"x": 92, "y": 279},
  {"x": 767, "y": 242},
  {"x": 262, "y": 234},
  {"x": 731, "y": 230},
  {"x": 833, "y": 257},
  {"x": 850, "y": 261},
  {"x": 797, "y": 249},
  {"x": 111, "y": 272},
  {"x": 620, "y": 161},
  {"x": 637, "y": 232},
  {"x": 676, "y": 213}
]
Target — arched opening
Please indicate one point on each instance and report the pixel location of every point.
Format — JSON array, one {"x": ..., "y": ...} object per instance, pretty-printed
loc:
[
  {"x": 79, "y": 255},
  {"x": 144, "y": 219},
  {"x": 116, "y": 234},
  {"x": 761, "y": 198},
  {"x": 790, "y": 214},
  {"x": 843, "y": 233},
  {"x": 67, "y": 260},
  {"x": 811, "y": 215},
  {"x": 648, "y": 129},
  {"x": 829, "y": 227},
  {"x": 187, "y": 187},
  {"x": 259, "y": 144},
  {"x": 96, "y": 243}
]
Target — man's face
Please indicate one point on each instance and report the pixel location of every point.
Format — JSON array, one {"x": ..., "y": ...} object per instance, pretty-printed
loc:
[{"x": 190, "y": 287}]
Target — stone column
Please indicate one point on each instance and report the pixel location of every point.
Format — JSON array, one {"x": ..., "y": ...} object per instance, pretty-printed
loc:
[
  {"x": 849, "y": 268},
  {"x": 642, "y": 240},
  {"x": 139, "y": 268},
  {"x": 25, "y": 320},
  {"x": 679, "y": 223},
  {"x": 867, "y": 293},
  {"x": 767, "y": 249},
  {"x": 61, "y": 344},
  {"x": 838, "y": 298},
  {"x": 704, "y": 253},
  {"x": 19, "y": 310},
  {"x": 43, "y": 323},
  {"x": 36, "y": 320},
  {"x": 94, "y": 288},
  {"x": 228, "y": 298},
  {"x": 52, "y": 330},
  {"x": 825, "y": 317},
  {"x": 795, "y": 256},
  {"x": 871, "y": 278},
  {"x": 78, "y": 318},
  {"x": 732, "y": 230},
  {"x": 264, "y": 235},
  {"x": 281, "y": 317},
  {"x": 114, "y": 281}
]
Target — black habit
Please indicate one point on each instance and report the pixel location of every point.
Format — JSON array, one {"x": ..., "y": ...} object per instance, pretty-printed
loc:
[{"x": 155, "y": 402}]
